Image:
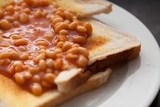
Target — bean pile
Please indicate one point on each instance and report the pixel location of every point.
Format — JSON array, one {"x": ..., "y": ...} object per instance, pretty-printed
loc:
[{"x": 38, "y": 40}]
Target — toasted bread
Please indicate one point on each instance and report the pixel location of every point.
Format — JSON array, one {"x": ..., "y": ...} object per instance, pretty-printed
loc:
[
  {"x": 85, "y": 8},
  {"x": 109, "y": 41},
  {"x": 107, "y": 47},
  {"x": 11, "y": 95}
]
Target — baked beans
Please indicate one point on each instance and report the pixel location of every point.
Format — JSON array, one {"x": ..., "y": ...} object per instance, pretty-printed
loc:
[
  {"x": 55, "y": 20},
  {"x": 16, "y": 24},
  {"x": 10, "y": 9},
  {"x": 50, "y": 63},
  {"x": 39, "y": 40},
  {"x": 14, "y": 55},
  {"x": 73, "y": 25},
  {"x": 89, "y": 28},
  {"x": 39, "y": 57},
  {"x": 33, "y": 70},
  {"x": 24, "y": 56},
  {"x": 16, "y": 36},
  {"x": 50, "y": 77},
  {"x": 38, "y": 14},
  {"x": 51, "y": 54},
  {"x": 27, "y": 10},
  {"x": 79, "y": 39},
  {"x": 5, "y": 62},
  {"x": 48, "y": 36},
  {"x": 24, "y": 18},
  {"x": 66, "y": 46},
  {"x": 19, "y": 78},
  {"x": 68, "y": 15},
  {"x": 42, "y": 42},
  {"x": 61, "y": 25},
  {"x": 42, "y": 65},
  {"x": 81, "y": 29},
  {"x": 36, "y": 89},
  {"x": 20, "y": 42},
  {"x": 4, "y": 24},
  {"x": 63, "y": 32},
  {"x": 5, "y": 55},
  {"x": 1, "y": 13},
  {"x": 10, "y": 18},
  {"x": 27, "y": 75},
  {"x": 82, "y": 61}
]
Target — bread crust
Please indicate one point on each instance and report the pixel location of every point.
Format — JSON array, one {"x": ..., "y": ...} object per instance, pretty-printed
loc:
[{"x": 69, "y": 80}]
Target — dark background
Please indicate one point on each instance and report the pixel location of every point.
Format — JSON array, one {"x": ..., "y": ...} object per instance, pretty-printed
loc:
[{"x": 148, "y": 11}]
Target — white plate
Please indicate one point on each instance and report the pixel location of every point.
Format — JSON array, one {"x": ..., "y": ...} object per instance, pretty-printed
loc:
[{"x": 134, "y": 84}]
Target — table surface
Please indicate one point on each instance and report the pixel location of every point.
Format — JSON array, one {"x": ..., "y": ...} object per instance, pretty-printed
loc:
[{"x": 148, "y": 11}]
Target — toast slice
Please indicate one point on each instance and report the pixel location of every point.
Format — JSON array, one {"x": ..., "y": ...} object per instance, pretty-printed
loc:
[
  {"x": 85, "y": 8},
  {"x": 107, "y": 47},
  {"x": 11, "y": 95},
  {"x": 107, "y": 41}
]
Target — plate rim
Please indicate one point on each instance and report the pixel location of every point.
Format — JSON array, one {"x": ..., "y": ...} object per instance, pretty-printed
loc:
[{"x": 151, "y": 98}]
